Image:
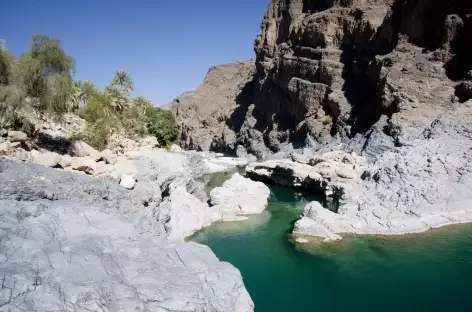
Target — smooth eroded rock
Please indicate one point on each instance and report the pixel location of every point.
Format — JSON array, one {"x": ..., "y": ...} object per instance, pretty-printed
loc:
[
  {"x": 74, "y": 240},
  {"x": 239, "y": 196},
  {"x": 84, "y": 164},
  {"x": 17, "y": 136},
  {"x": 109, "y": 157},
  {"x": 127, "y": 181},
  {"x": 48, "y": 159},
  {"x": 82, "y": 149}
]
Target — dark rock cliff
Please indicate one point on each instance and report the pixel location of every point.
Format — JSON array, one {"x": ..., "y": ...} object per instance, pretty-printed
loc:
[
  {"x": 208, "y": 116},
  {"x": 370, "y": 74}
]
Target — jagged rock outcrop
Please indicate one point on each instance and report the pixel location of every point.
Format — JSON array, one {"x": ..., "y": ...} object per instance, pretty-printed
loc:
[
  {"x": 330, "y": 69},
  {"x": 370, "y": 74},
  {"x": 210, "y": 117},
  {"x": 410, "y": 189},
  {"x": 334, "y": 175},
  {"x": 70, "y": 242}
]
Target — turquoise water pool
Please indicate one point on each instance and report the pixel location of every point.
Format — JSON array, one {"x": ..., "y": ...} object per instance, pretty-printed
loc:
[{"x": 426, "y": 272}]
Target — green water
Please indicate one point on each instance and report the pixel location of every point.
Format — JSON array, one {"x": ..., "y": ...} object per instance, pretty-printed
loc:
[{"x": 426, "y": 272}]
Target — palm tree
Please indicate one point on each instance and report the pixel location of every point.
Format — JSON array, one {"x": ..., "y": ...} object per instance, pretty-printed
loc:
[
  {"x": 88, "y": 88},
  {"x": 122, "y": 80},
  {"x": 81, "y": 92},
  {"x": 119, "y": 99},
  {"x": 141, "y": 104}
]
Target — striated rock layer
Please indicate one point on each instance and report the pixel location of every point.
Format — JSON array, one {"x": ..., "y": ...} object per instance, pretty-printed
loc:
[{"x": 329, "y": 70}]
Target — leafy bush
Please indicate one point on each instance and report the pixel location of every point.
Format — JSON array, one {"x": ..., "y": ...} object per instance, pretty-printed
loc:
[
  {"x": 45, "y": 72},
  {"x": 95, "y": 135},
  {"x": 11, "y": 101},
  {"x": 6, "y": 66},
  {"x": 134, "y": 122},
  {"x": 98, "y": 107},
  {"x": 161, "y": 123}
]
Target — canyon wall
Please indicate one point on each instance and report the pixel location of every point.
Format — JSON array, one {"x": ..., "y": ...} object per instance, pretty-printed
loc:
[{"x": 367, "y": 75}]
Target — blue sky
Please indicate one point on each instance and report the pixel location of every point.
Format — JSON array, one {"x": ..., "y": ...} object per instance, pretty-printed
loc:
[{"x": 166, "y": 45}]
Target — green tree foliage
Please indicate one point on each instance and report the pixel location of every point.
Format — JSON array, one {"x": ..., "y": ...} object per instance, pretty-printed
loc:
[
  {"x": 123, "y": 81},
  {"x": 120, "y": 98},
  {"x": 141, "y": 104},
  {"x": 161, "y": 123},
  {"x": 42, "y": 80},
  {"x": 11, "y": 101},
  {"x": 6, "y": 65},
  {"x": 45, "y": 72}
]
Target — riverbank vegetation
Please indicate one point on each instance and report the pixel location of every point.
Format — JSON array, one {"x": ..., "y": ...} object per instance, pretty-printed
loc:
[{"x": 42, "y": 81}]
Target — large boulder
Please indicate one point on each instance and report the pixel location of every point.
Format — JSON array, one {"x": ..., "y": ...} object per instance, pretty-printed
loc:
[
  {"x": 175, "y": 148},
  {"x": 239, "y": 196},
  {"x": 84, "y": 164},
  {"x": 123, "y": 167},
  {"x": 48, "y": 159},
  {"x": 184, "y": 214},
  {"x": 82, "y": 149},
  {"x": 17, "y": 136},
  {"x": 65, "y": 162},
  {"x": 4, "y": 146},
  {"x": 109, "y": 157}
]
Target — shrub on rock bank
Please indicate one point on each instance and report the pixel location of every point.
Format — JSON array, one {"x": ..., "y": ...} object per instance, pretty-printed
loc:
[{"x": 113, "y": 110}]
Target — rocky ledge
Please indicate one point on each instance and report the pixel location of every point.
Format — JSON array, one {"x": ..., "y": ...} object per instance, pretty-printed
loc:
[
  {"x": 412, "y": 188},
  {"x": 72, "y": 242}
]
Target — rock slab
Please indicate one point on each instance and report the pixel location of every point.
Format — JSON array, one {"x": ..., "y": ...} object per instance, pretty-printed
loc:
[
  {"x": 74, "y": 242},
  {"x": 239, "y": 196}
]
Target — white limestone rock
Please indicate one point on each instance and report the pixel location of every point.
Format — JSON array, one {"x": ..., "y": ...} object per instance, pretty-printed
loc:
[
  {"x": 336, "y": 175},
  {"x": 84, "y": 164},
  {"x": 97, "y": 248},
  {"x": 219, "y": 164},
  {"x": 123, "y": 167},
  {"x": 109, "y": 157},
  {"x": 175, "y": 148},
  {"x": 239, "y": 196},
  {"x": 128, "y": 181},
  {"x": 410, "y": 189},
  {"x": 65, "y": 162},
  {"x": 48, "y": 159},
  {"x": 316, "y": 221},
  {"x": 4, "y": 146},
  {"x": 184, "y": 214},
  {"x": 82, "y": 149}
]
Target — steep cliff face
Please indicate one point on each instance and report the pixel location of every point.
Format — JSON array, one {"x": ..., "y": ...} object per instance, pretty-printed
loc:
[
  {"x": 204, "y": 114},
  {"x": 356, "y": 70}
]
